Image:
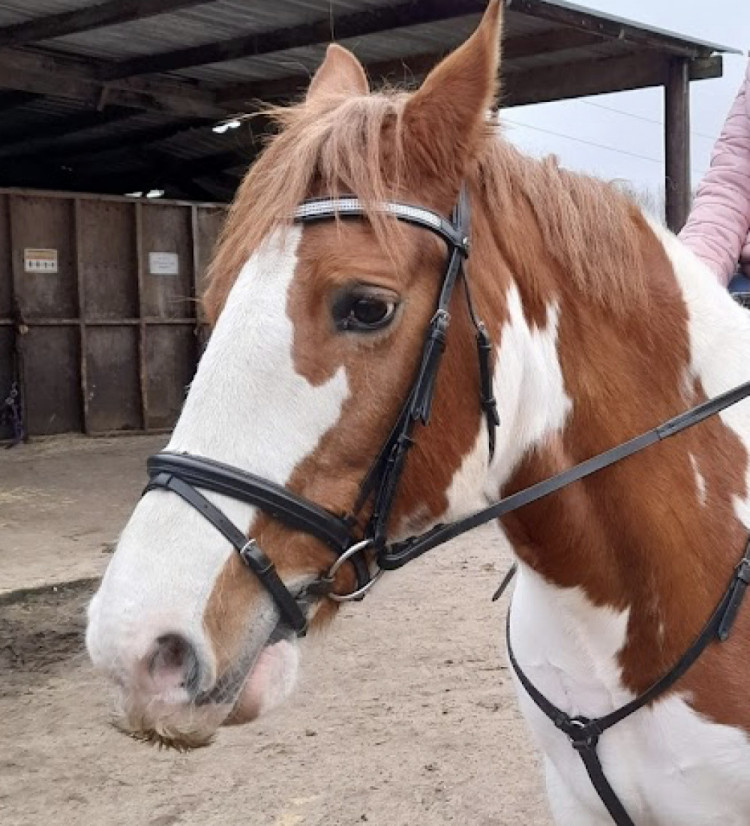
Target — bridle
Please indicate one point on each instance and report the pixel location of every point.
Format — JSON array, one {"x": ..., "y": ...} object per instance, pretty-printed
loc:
[{"x": 184, "y": 475}]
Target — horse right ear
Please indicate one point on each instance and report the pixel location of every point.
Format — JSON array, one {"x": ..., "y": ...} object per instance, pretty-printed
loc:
[
  {"x": 447, "y": 115},
  {"x": 339, "y": 74}
]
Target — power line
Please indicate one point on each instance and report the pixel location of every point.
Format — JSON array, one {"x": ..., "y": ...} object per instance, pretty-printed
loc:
[
  {"x": 586, "y": 142},
  {"x": 641, "y": 117}
]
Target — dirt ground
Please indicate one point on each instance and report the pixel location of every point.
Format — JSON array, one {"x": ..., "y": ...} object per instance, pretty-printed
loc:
[{"x": 405, "y": 713}]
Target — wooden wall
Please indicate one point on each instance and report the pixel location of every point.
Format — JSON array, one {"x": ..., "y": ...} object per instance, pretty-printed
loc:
[{"x": 98, "y": 309}]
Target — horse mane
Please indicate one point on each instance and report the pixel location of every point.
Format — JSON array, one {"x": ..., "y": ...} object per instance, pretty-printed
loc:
[
  {"x": 592, "y": 229},
  {"x": 356, "y": 145}
]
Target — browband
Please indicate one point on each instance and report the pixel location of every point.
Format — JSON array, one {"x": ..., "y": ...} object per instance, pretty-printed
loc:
[{"x": 347, "y": 206}]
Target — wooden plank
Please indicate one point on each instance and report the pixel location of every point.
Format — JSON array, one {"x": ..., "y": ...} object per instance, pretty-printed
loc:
[
  {"x": 16, "y": 265},
  {"x": 41, "y": 223},
  {"x": 52, "y": 390},
  {"x": 677, "y": 143},
  {"x": 109, "y": 13},
  {"x": 81, "y": 294},
  {"x": 141, "y": 349},
  {"x": 112, "y": 364},
  {"x": 7, "y": 325},
  {"x": 356, "y": 24},
  {"x": 172, "y": 358}
]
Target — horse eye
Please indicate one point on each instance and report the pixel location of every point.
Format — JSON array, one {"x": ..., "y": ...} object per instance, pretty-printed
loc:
[{"x": 363, "y": 312}]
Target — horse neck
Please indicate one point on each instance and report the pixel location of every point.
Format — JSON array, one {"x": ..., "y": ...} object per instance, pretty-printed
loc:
[{"x": 656, "y": 536}]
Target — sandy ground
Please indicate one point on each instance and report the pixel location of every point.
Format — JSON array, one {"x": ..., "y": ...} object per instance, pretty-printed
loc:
[{"x": 405, "y": 713}]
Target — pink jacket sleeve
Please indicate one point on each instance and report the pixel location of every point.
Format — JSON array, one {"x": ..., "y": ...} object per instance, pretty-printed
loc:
[{"x": 719, "y": 222}]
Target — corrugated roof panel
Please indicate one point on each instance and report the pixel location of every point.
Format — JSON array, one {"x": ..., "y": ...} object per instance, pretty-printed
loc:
[
  {"x": 426, "y": 37},
  {"x": 198, "y": 25},
  {"x": 17, "y": 11}
]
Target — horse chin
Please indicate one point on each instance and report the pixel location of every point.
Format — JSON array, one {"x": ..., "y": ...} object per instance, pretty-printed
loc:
[{"x": 270, "y": 681}]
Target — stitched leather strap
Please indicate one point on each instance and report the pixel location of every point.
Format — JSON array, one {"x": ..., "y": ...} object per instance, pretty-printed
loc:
[
  {"x": 584, "y": 732},
  {"x": 271, "y": 498},
  {"x": 399, "y": 553},
  {"x": 251, "y": 554}
]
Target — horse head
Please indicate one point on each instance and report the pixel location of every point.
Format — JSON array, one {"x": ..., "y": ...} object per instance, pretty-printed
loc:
[{"x": 318, "y": 332}]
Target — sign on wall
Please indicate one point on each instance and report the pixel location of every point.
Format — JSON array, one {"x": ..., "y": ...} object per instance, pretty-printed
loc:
[
  {"x": 40, "y": 260},
  {"x": 163, "y": 263}
]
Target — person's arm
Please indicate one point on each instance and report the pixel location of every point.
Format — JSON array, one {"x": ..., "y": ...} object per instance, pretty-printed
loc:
[{"x": 719, "y": 220}]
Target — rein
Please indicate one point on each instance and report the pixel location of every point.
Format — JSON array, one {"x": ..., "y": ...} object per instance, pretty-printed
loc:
[{"x": 183, "y": 474}]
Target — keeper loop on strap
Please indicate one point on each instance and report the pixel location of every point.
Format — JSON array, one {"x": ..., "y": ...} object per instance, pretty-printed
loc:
[{"x": 582, "y": 732}]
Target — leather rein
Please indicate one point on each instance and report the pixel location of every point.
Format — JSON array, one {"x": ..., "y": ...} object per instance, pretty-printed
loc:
[{"x": 184, "y": 475}]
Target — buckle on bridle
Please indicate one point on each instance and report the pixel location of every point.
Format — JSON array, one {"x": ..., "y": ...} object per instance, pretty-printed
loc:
[{"x": 356, "y": 548}]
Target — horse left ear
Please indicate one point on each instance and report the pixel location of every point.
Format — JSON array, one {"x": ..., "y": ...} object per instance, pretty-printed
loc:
[
  {"x": 447, "y": 115},
  {"x": 340, "y": 73}
]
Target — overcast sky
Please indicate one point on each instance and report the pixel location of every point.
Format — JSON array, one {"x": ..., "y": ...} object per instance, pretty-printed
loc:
[{"x": 620, "y": 135}]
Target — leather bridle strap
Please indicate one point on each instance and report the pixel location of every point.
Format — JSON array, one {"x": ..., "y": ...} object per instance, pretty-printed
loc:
[
  {"x": 399, "y": 553},
  {"x": 248, "y": 549},
  {"x": 275, "y": 500},
  {"x": 584, "y": 732}
]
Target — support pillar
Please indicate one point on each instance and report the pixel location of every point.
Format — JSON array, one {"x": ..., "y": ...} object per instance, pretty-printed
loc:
[{"x": 677, "y": 142}]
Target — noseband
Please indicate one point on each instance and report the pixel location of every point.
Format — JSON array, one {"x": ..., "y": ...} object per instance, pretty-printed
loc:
[{"x": 184, "y": 474}]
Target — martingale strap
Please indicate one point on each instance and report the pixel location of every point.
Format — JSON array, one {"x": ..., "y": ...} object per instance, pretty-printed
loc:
[{"x": 584, "y": 732}]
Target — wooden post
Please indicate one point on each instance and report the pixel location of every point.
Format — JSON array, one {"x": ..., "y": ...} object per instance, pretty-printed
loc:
[
  {"x": 82, "y": 315},
  {"x": 141, "y": 278},
  {"x": 677, "y": 142}
]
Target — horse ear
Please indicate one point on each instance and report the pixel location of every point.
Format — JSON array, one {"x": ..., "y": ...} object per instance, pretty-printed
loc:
[
  {"x": 446, "y": 116},
  {"x": 339, "y": 74}
]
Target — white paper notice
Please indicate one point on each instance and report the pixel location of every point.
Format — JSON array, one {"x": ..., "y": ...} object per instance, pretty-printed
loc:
[{"x": 163, "y": 263}]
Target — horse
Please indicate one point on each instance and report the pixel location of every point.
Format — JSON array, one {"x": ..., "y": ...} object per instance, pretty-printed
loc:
[{"x": 349, "y": 398}]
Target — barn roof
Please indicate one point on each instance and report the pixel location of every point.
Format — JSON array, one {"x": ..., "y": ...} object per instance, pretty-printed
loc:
[{"x": 123, "y": 95}]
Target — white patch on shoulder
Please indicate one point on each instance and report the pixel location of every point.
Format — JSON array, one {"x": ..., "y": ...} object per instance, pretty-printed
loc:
[
  {"x": 719, "y": 333},
  {"x": 248, "y": 407},
  {"x": 532, "y": 403},
  {"x": 528, "y": 386},
  {"x": 667, "y": 763},
  {"x": 700, "y": 480}
]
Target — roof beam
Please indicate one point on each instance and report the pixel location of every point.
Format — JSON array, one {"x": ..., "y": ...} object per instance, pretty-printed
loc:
[
  {"x": 76, "y": 79},
  {"x": 408, "y": 67},
  {"x": 12, "y": 99},
  {"x": 596, "y": 77},
  {"x": 149, "y": 174},
  {"x": 31, "y": 140},
  {"x": 96, "y": 145},
  {"x": 610, "y": 27},
  {"x": 109, "y": 13},
  {"x": 357, "y": 24}
]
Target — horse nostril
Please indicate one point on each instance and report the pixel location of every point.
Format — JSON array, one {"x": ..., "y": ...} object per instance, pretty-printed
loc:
[{"x": 174, "y": 664}]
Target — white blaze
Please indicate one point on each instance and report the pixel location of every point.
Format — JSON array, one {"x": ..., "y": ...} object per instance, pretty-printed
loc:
[{"x": 248, "y": 407}]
